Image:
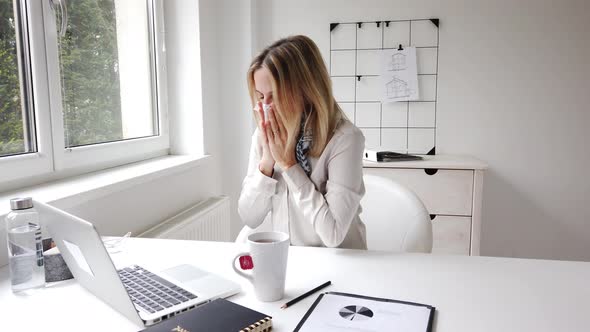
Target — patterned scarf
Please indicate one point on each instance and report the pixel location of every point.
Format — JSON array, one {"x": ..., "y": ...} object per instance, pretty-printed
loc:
[{"x": 304, "y": 144}]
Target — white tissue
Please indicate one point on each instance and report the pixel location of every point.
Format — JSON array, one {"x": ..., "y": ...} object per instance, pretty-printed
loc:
[{"x": 265, "y": 108}]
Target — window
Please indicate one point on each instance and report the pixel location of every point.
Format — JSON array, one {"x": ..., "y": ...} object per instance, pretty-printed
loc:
[
  {"x": 89, "y": 72},
  {"x": 105, "y": 72},
  {"x": 17, "y": 130}
]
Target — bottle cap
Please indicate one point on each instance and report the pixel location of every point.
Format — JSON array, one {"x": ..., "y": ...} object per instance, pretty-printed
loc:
[{"x": 21, "y": 203}]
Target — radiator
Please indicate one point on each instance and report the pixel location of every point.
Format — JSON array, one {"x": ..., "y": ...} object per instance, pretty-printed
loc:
[{"x": 207, "y": 221}]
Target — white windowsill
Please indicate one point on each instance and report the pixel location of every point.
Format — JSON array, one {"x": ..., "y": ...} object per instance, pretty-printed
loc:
[{"x": 75, "y": 190}]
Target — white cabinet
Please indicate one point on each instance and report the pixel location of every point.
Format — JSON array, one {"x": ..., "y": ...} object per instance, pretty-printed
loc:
[
  {"x": 452, "y": 234},
  {"x": 451, "y": 189}
]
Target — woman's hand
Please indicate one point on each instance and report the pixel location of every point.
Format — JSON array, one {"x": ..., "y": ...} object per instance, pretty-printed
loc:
[
  {"x": 267, "y": 162},
  {"x": 277, "y": 141}
]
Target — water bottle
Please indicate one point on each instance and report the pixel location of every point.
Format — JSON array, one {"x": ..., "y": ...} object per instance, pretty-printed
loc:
[{"x": 25, "y": 248}]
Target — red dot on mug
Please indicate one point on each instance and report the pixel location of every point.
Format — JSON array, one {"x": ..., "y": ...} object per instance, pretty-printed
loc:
[{"x": 246, "y": 262}]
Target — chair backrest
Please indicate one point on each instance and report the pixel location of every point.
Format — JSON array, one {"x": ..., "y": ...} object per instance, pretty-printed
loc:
[{"x": 395, "y": 218}]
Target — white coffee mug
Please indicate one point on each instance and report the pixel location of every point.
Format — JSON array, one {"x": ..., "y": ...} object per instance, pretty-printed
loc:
[{"x": 268, "y": 261}]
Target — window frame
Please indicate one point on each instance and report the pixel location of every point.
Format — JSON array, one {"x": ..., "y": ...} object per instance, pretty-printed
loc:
[
  {"x": 30, "y": 164},
  {"x": 52, "y": 157},
  {"x": 109, "y": 154}
]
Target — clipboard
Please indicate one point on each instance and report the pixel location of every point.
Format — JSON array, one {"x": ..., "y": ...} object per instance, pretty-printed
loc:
[{"x": 364, "y": 314}]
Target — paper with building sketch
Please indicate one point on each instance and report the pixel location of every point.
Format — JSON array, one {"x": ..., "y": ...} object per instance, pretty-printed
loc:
[
  {"x": 348, "y": 312},
  {"x": 399, "y": 75}
]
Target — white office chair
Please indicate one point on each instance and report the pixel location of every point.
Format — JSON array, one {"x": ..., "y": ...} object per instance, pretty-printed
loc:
[{"x": 396, "y": 219}]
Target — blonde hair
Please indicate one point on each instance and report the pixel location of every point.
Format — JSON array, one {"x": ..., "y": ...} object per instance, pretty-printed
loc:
[{"x": 300, "y": 81}]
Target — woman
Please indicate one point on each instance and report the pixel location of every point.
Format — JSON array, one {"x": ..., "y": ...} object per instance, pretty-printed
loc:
[{"x": 305, "y": 163}]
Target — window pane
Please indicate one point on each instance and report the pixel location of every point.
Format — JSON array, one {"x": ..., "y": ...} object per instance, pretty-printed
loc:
[
  {"x": 106, "y": 72},
  {"x": 15, "y": 135}
]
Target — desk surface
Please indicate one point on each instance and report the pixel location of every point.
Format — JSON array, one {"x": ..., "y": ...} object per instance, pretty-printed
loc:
[{"x": 470, "y": 293}]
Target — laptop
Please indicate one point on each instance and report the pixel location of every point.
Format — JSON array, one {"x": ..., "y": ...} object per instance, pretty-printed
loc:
[{"x": 144, "y": 296}]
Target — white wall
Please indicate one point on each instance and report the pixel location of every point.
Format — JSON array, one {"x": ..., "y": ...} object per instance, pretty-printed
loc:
[
  {"x": 225, "y": 41},
  {"x": 513, "y": 88},
  {"x": 184, "y": 71},
  {"x": 142, "y": 206},
  {"x": 236, "y": 115}
]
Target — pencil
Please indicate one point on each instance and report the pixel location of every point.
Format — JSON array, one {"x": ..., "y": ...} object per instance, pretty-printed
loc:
[{"x": 301, "y": 297}]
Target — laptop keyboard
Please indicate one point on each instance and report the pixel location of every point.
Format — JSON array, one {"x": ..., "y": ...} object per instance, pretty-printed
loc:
[{"x": 151, "y": 292}]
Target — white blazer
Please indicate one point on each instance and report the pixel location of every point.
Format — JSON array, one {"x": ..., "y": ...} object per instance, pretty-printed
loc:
[{"x": 320, "y": 210}]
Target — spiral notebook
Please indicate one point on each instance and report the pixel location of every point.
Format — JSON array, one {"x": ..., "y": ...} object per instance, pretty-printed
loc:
[{"x": 219, "y": 315}]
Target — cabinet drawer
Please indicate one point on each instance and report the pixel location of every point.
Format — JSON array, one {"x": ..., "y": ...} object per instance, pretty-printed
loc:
[
  {"x": 451, "y": 235},
  {"x": 446, "y": 192}
]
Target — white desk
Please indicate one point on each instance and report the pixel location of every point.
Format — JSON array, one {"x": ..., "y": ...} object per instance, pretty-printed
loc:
[{"x": 470, "y": 293}]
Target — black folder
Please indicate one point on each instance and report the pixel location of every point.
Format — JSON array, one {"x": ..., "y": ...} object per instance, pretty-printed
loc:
[
  {"x": 219, "y": 315},
  {"x": 431, "y": 309}
]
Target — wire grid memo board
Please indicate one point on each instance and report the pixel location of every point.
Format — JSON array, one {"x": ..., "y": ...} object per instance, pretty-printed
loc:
[{"x": 355, "y": 50}]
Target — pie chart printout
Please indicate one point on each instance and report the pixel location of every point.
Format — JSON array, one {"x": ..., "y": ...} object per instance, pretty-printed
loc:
[{"x": 356, "y": 313}]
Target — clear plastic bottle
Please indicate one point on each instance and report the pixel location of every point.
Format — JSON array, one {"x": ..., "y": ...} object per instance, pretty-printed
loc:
[{"x": 25, "y": 248}]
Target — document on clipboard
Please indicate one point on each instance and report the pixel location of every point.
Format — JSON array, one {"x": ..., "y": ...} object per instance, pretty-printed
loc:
[{"x": 349, "y": 312}]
